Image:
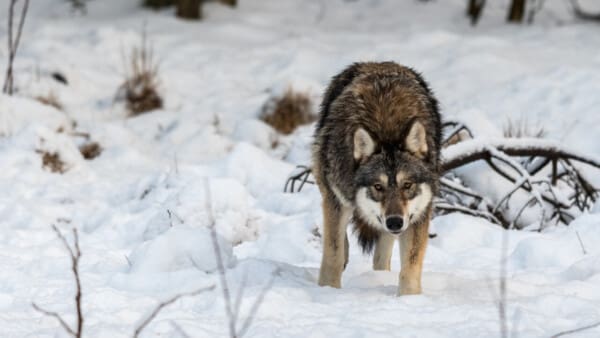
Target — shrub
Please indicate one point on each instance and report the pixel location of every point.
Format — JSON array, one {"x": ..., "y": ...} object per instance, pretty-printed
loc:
[
  {"x": 52, "y": 161},
  {"x": 289, "y": 111},
  {"x": 140, "y": 87}
]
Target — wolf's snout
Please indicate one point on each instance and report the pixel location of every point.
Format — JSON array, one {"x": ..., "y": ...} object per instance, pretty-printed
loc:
[{"x": 394, "y": 223}]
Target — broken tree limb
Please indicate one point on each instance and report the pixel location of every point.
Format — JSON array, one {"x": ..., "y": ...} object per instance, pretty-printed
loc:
[{"x": 478, "y": 149}]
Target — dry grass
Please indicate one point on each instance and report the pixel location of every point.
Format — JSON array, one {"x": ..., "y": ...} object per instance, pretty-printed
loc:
[
  {"x": 140, "y": 88},
  {"x": 521, "y": 128},
  {"x": 50, "y": 99},
  {"x": 289, "y": 111},
  {"x": 52, "y": 162},
  {"x": 90, "y": 150}
]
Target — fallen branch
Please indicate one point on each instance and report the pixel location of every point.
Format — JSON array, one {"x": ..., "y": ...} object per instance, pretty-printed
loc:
[
  {"x": 473, "y": 150},
  {"x": 75, "y": 254},
  {"x": 542, "y": 190}
]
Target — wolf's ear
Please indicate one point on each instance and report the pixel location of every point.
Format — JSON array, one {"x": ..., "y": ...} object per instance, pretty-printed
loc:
[
  {"x": 364, "y": 145},
  {"x": 416, "y": 141}
]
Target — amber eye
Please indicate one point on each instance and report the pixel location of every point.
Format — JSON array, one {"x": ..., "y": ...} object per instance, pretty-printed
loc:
[
  {"x": 378, "y": 186},
  {"x": 407, "y": 185}
]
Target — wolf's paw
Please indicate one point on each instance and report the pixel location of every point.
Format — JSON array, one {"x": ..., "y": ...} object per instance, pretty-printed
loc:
[
  {"x": 409, "y": 287},
  {"x": 408, "y": 291},
  {"x": 329, "y": 280}
]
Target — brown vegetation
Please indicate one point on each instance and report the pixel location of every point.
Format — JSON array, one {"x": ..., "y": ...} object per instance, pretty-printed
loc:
[
  {"x": 90, "y": 150},
  {"x": 289, "y": 111},
  {"x": 52, "y": 161},
  {"x": 50, "y": 99},
  {"x": 140, "y": 88}
]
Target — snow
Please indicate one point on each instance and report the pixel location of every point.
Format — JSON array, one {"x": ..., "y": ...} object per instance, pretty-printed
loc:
[{"x": 140, "y": 207}]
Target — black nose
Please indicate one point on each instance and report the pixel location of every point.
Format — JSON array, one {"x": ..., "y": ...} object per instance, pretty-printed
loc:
[{"x": 394, "y": 223}]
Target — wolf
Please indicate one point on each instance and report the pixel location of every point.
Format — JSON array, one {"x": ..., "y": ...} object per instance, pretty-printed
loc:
[{"x": 376, "y": 161}]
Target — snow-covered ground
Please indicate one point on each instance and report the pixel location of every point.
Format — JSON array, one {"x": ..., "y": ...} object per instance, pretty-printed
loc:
[{"x": 140, "y": 207}]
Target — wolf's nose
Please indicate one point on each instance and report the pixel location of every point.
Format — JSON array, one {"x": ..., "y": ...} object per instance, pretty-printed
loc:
[{"x": 394, "y": 223}]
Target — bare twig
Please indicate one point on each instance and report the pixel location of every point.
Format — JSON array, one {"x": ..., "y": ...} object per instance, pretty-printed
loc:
[
  {"x": 257, "y": 303},
  {"x": 232, "y": 310},
  {"x": 166, "y": 303},
  {"x": 179, "y": 329},
  {"x": 57, "y": 316},
  {"x": 445, "y": 182},
  {"x": 520, "y": 212},
  {"x": 502, "y": 300},
  {"x": 447, "y": 207},
  {"x": 302, "y": 176},
  {"x": 13, "y": 43},
  {"x": 457, "y": 128},
  {"x": 583, "y": 328},
  {"x": 219, "y": 259},
  {"x": 75, "y": 254},
  {"x": 581, "y": 243},
  {"x": 238, "y": 299}
]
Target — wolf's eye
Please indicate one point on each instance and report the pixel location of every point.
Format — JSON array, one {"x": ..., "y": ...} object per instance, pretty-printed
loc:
[
  {"x": 378, "y": 186},
  {"x": 407, "y": 185}
]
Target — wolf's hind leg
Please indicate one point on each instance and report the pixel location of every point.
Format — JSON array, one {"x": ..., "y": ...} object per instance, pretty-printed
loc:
[
  {"x": 413, "y": 243},
  {"x": 335, "y": 220},
  {"x": 383, "y": 251}
]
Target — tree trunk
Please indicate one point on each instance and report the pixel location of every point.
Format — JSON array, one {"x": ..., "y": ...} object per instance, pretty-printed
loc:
[
  {"x": 189, "y": 9},
  {"x": 231, "y": 3},
  {"x": 517, "y": 11},
  {"x": 474, "y": 10},
  {"x": 157, "y": 3}
]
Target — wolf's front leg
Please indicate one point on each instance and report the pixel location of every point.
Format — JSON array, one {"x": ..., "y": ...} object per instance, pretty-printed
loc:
[
  {"x": 413, "y": 243},
  {"x": 383, "y": 251},
  {"x": 335, "y": 220}
]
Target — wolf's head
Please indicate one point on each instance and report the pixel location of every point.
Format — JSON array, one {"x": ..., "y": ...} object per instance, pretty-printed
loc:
[{"x": 395, "y": 183}]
